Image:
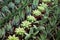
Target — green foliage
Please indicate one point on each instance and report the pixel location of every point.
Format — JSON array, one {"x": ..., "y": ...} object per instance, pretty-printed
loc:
[
  {"x": 36, "y": 12},
  {"x": 31, "y": 18},
  {"x": 2, "y": 32},
  {"x": 47, "y": 1},
  {"x": 12, "y": 37},
  {"x": 17, "y": 1},
  {"x": 8, "y": 27},
  {"x": 22, "y": 14},
  {"x": 20, "y": 31},
  {"x": 11, "y": 5},
  {"x": 26, "y": 24}
]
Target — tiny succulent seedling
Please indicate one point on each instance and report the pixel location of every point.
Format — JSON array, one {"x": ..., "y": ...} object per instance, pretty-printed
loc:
[
  {"x": 36, "y": 12},
  {"x": 31, "y": 18},
  {"x": 12, "y": 37},
  {"x": 11, "y": 5},
  {"x": 25, "y": 24},
  {"x": 46, "y": 1},
  {"x": 20, "y": 31}
]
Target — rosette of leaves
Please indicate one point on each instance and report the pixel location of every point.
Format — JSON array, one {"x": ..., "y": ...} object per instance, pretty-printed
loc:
[
  {"x": 35, "y": 4},
  {"x": 12, "y": 37},
  {"x": 11, "y": 5},
  {"x": 16, "y": 20},
  {"x": 8, "y": 27},
  {"x": 44, "y": 5},
  {"x": 46, "y": 1},
  {"x": 20, "y": 31},
  {"x": 36, "y": 12},
  {"x": 5, "y": 9},
  {"x": 25, "y": 24},
  {"x": 2, "y": 32},
  {"x": 31, "y": 18},
  {"x": 17, "y": 1},
  {"x": 41, "y": 8},
  {"x": 28, "y": 10}
]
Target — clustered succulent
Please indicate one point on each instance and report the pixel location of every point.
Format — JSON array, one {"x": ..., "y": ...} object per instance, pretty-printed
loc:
[
  {"x": 12, "y": 37},
  {"x": 20, "y": 31},
  {"x": 25, "y": 24},
  {"x": 36, "y": 12},
  {"x": 31, "y": 18}
]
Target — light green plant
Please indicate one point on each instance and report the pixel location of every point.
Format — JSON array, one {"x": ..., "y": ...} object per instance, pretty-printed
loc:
[
  {"x": 25, "y": 24},
  {"x": 42, "y": 7},
  {"x": 20, "y": 31},
  {"x": 36, "y": 12},
  {"x": 46, "y": 1},
  {"x": 12, "y": 37},
  {"x": 31, "y": 18}
]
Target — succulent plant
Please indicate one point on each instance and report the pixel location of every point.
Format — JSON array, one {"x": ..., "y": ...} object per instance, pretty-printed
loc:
[
  {"x": 25, "y": 24},
  {"x": 20, "y": 31},
  {"x": 17, "y": 1},
  {"x": 8, "y": 27},
  {"x": 44, "y": 5},
  {"x": 41, "y": 8},
  {"x": 35, "y": 4},
  {"x": 36, "y": 12},
  {"x": 31, "y": 18},
  {"x": 5, "y": 9},
  {"x": 11, "y": 5},
  {"x": 46, "y": 1},
  {"x": 2, "y": 32},
  {"x": 15, "y": 20},
  {"x": 12, "y": 37}
]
